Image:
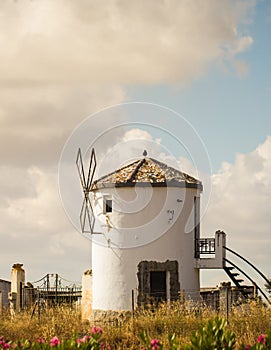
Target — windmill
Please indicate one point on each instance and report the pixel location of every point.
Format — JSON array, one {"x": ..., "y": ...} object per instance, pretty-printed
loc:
[{"x": 87, "y": 218}]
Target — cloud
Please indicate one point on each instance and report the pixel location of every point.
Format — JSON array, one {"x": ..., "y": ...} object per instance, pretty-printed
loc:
[
  {"x": 240, "y": 205},
  {"x": 34, "y": 228},
  {"x": 242, "y": 191},
  {"x": 36, "y": 122},
  {"x": 64, "y": 60},
  {"x": 142, "y": 42},
  {"x": 129, "y": 146},
  {"x": 138, "y": 134}
]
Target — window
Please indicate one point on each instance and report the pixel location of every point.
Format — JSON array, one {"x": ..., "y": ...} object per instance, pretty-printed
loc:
[{"x": 108, "y": 204}]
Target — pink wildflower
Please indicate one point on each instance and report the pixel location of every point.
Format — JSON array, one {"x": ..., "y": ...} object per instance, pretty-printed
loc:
[
  {"x": 3, "y": 343},
  {"x": 55, "y": 341},
  {"x": 86, "y": 338},
  {"x": 262, "y": 339},
  {"x": 155, "y": 344},
  {"x": 40, "y": 340},
  {"x": 247, "y": 347},
  {"x": 96, "y": 330}
]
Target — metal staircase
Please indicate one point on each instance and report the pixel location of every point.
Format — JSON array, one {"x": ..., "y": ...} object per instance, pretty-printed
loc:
[
  {"x": 233, "y": 271},
  {"x": 236, "y": 281}
]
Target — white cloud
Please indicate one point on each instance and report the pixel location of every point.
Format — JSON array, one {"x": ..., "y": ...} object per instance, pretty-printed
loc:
[
  {"x": 241, "y": 190},
  {"x": 240, "y": 205},
  {"x": 34, "y": 228},
  {"x": 118, "y": 41},
  {"x": 136, "y": 134},
  {"x": 241, "y": 45},
  {"x": 35, "y": 123},
  {"x": 128, "y": 147}
]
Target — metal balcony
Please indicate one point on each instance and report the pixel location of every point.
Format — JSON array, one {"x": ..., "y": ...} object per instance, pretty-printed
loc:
[{"x": 204, "y": 246}]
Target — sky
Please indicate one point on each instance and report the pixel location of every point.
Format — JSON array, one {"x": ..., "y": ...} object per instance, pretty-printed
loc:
[{"x": 190, "y": 81}]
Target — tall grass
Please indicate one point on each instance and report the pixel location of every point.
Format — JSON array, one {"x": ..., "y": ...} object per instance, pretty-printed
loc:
[
  {"x": 247, "y": 322},
  {"x": 61, "y": 321}
]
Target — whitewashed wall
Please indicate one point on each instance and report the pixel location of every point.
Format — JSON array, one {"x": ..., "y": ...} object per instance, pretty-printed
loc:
[{"x": 143, "y": 220}]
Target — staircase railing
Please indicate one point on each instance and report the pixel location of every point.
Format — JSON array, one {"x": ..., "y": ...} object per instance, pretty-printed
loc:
[
  {"x": 238, "y": 281},
  {"x": 250, "y": 264},
  {"x": 231, "y": 275}
]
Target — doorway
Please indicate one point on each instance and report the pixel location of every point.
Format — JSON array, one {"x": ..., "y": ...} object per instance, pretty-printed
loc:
[
  {"x": 158, "y": 285},
  {"x": 157, "y": 280}
]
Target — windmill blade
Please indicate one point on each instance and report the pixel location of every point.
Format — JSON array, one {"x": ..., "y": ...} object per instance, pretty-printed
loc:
[
  {"x": 91, "y": 169},
  {"x": 83, "y": 215},
  {"x": 80, "y": 167},
  {"x": 87, "y": 218}
]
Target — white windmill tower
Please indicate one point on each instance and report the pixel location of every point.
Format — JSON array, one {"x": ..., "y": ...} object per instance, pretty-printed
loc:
[{"x": 145, "y": 220}]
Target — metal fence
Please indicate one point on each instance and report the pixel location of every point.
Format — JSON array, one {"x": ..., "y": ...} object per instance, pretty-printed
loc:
[{"x": 51, "y": 290}]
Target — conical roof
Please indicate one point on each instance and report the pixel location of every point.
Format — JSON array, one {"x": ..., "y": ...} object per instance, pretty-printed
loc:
[{"x": 144, "y": 172}]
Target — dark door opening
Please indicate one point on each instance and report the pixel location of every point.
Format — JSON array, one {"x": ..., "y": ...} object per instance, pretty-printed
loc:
[{"x": 158, "y": 285}]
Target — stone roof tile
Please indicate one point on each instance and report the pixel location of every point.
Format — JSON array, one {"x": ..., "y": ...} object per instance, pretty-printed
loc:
[{"x": 145, "y": 171}]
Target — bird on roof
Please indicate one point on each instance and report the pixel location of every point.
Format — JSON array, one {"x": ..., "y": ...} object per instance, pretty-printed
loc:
[{"x": 145, "y": 153}]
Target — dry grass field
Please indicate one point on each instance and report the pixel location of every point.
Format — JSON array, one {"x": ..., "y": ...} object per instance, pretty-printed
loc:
[{"x": 247, "y": 322}]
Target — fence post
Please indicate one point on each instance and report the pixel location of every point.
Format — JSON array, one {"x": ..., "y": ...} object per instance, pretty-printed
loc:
[
  {"x": 225, "y": 298},
  {"x": 56, "y": 289},
  {"x": 39, "y": 302}
]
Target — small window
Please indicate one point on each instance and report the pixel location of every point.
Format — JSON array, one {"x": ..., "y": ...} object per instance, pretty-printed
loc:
[{"x": 107, "y": 205}]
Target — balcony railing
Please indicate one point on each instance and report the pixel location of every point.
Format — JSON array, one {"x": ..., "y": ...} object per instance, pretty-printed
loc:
[{"x": 204, "y": 246}]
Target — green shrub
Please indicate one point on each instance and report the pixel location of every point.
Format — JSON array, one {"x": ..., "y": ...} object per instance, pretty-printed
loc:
[{"x": 213, "y": 336}]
